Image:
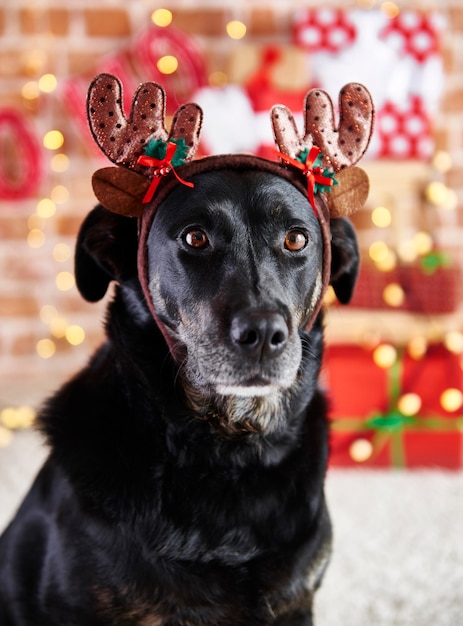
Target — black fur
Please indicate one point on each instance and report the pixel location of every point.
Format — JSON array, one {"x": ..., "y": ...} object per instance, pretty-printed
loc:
[{"x": 163, "y": 503}]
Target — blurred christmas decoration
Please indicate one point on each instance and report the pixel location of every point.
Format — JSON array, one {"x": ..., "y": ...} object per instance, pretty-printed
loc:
[
  {"x": 410, "y": 272},
  {"x": 14, "y": 418},
  {"x": 404, "y": 44},
  {"x": 411, "y": 266},
  {"x": 396, "y": 407},
  {"x": 21, "y": 172}
]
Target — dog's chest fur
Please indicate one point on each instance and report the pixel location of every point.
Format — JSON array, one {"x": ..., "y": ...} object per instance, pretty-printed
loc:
[{"x": 229, "y": 520}]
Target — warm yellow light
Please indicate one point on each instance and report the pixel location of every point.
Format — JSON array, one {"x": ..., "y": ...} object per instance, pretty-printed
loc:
[
  {"x": 387, "y": 263},
  {"x": 451, "y": 400},
  {"x": 60, "y": 194},
  {"x": 437, "y": 192},
  {"x": 417, "y": 347},
  {"x": 62, "y": 252},
  {"x": 46, "y": 348},
  {"x": 451, "y": 201},
  {"x": 35, "y": 238},
  {"x": 390, "y": 9},
  {"x": 442, "y": 161},
  {"x": 385, "y": 356},
  {"x": 26, "y": 416},
  {"x": 48, "y": 83},
  {"x": 53, "y": 140},
  {"x": 46, "y": 208},
  {"x": 6, "y": 437},
  {"x": 453, "y": 341},
  {"x": 161, "y": 17},
  {"x": 47, "y": 313},
  {"x": 366, "y": 4},
  {"x": 75, "y": 335},
  {"x": 422, "y": 243},
  {"x": 60, "y": 163},
  {"x": 381, "y": 217},
  {"x": 58, "y": 327},
  {"x": 8, "y": 417},
  {"x": 65, "y": 281},
  {"x": 406, "y": 251},
  {"x": 378, "y": 251},
  {"x": 20, "y": 417},
  {"x": 30, "y": 90},
  {"x": 167, "y": 64},
  {"x": 236, "y": 29},
  {"x": 409, "y": 404},
  {"x": 218, "y": 79},
  {"x": 361, "y": 450},
  {"x": 393, "y": 295}
]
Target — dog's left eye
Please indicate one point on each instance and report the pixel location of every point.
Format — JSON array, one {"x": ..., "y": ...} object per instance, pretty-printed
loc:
[
  {"x": 295, "y": 240},
  {"x": 196, "y": 238}
]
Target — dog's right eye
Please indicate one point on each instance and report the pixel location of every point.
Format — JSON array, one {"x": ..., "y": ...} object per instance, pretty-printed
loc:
[
  {"x": 196, "y": 238},
  {"x": 295, "y": 240}
]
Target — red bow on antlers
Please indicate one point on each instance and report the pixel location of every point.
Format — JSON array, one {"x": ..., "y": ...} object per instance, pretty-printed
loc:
[
  {"x": 314, "y": 174},
  {"x": 163, "y": 167}
]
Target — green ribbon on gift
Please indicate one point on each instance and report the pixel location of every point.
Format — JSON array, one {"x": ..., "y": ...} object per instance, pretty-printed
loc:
[
  {"x": 433, "y": 261},
  {"x": 390, "y": 426}
]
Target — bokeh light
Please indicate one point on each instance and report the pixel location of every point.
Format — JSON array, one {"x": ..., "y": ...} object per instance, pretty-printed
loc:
[
  {"x": 167, "y": 64},
  {"x": 46, "y": 348},
  {"x": 162, "y": 17},
  {"x": 236, "y": 29},
  {"x": 385, "y": 355},
  {"x": 53, "y": 140}
]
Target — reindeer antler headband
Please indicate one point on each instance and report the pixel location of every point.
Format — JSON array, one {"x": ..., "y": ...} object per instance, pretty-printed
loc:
[{"x": 151, "y": 161}]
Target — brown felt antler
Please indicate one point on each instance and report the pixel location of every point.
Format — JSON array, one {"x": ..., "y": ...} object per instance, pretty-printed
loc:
[
  {"x": 341, "y": 146},
  {"x": 123, "y": 139}
]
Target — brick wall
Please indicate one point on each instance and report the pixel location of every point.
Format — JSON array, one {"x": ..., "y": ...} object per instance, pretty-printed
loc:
[{"x": 44, "y": 36}]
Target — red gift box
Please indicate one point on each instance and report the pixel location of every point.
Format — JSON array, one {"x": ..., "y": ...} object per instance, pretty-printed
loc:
[
  {"x": 433, "y": 291},
  {"x": 370, "y": 424}
]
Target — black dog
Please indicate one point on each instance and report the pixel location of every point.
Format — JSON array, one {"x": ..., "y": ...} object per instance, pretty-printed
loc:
[{"x": 184, "y": 485}]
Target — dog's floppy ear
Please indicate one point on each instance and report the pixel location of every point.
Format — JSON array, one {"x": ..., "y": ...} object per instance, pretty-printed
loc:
[
  {"x": 345, "y": 259},
  {"x": 106, "y": 250}
]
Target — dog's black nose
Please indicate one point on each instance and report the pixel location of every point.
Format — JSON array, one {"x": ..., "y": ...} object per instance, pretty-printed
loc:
[{"x": 259, "y": 334}]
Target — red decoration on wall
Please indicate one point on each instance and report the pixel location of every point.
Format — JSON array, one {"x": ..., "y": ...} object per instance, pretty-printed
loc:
[
  {"x": 404, "y": 132},
  {"x": 138, "y": 63},
  {"x": 156, "y": 42},
  {"x": 398, "y": 59},
  {"x": 20, "y": 157},
  {"x": 324, "y": 30},
  {"x": 414, "y": 34}
]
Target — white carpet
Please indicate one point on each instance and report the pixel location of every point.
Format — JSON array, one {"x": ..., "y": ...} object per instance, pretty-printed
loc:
[{"x": 398, "y": 553}]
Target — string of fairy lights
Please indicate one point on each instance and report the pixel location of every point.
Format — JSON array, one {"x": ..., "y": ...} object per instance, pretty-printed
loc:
[
  {"x": 385, "y": 257},
  {"x": 59, "y": 328}
]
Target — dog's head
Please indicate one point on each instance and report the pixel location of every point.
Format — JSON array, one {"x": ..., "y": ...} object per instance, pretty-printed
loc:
[
  {"x": 234, "y": 252},
  {"x": 234, "y": 272}
]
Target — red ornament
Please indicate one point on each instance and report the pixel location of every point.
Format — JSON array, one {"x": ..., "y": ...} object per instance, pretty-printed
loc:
[
  {"x": 156, "y": 42},
  {"x": 20, "y": 161}
]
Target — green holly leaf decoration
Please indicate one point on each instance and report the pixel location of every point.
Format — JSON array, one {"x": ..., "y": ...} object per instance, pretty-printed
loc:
[
  {"x": 157, "y": 148},
  {"x": 318, "y": 164}
]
